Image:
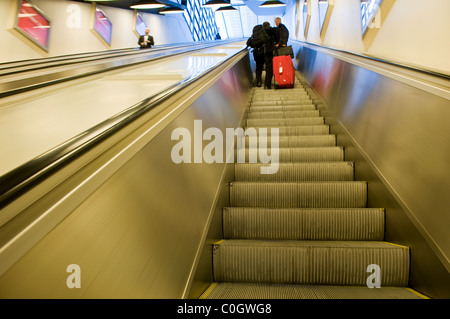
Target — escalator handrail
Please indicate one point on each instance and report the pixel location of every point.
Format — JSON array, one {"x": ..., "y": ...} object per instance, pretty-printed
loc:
[
  {"x": 15, "y": 87},
  {"x": 84, "y": 57},
  {"x": 396, "y": 64},
  {"x": 21, "y": 63},
  {"x": 21, "y": 179}
]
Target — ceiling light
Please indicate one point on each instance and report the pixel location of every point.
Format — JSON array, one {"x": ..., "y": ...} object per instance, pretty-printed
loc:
[
  {"x": 226, "y": 9},
  {"x": 272, "y": 4},
  {"x": 147, "y": 4},
  {"x": 214, "y": 4},
  {"x": 171, "y": 10}
]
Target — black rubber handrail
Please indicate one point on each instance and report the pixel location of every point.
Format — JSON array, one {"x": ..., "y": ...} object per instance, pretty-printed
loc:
[
  {"x": 40, "y": 81},
  {"x": 19, "y": 63},
  {"x": 404, "y": 66},
  {"x": 57, "y": 61},
  {"x": 30, "y": 62},
  {"x": 21, "y": 179}
]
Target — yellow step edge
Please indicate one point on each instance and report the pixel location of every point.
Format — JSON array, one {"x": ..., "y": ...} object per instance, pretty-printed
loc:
[
  {"x": 398, "y": 245},
  {"x": 208, "y": 290},
  {"x": 417, "y": 293},
  {"x": 219, "y": 242}
]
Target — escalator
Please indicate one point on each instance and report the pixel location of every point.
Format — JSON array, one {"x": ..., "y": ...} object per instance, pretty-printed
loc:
[
  {"x": 138, "y": 224},
  {"x": 304, "y": 232}
]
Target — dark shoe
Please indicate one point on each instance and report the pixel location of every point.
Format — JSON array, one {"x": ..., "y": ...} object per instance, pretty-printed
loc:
[
  {"x": 258, "y": 84},
  {"x": 267, "y": 87}
]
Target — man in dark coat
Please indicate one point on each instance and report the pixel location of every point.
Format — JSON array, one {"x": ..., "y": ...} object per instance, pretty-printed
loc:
[
  {"x": 284, "y": 33},
  {"x": 273, "y": 38},
  {"x": 146, "y": 41},
  {"x": 258, "y": 56}
]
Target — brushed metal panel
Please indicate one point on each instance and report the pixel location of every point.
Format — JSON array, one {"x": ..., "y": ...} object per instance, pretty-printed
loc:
[
  {"x": 140, "y": 234},
  {"x": 393, "y": 128}
]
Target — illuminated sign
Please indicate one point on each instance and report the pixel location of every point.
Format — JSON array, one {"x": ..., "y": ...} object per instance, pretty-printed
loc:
[
  {"x": 33, "y": 24},
  {"x": 140, "y": 25},
  {"x": 103, "y": 26}
]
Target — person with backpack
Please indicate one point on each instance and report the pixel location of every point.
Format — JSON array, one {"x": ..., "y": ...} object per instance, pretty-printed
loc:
[
  {"x": 263, "y": 41},
  {"x": 273, "y": 37},
  {"x": 257, "y": 41}
]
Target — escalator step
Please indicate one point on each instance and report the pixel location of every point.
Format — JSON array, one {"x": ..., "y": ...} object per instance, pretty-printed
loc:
[
  {"x": 300, "y": 154},
  {"x": 303, "y": 223},
  {"x": 284, "y": 102},
  {"x": 285, "y": 114},
  {"x": 332, "y": 171},
  {"x": 274, "y": 108},
  {"x": 285, "y": 122},
  {"x": 300, "y": 194},
  {"x": 309, "y": 262},
  {"x": 227, "y": 290},
  {"x": 296, "y": 130},
  {"x": 292, "y": 141},
  {"x": 277, "y": 97}
]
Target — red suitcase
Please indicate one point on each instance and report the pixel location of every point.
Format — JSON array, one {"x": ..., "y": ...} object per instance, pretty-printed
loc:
[{"x": 283, "y": 71}]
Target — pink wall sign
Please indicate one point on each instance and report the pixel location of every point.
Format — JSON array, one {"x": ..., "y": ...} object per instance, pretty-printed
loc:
[
  {"x": 33, "y": 24},
  {"x": 103, "y": 26}
]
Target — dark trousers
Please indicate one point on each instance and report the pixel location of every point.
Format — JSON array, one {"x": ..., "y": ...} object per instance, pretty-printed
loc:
[
  {"x": 268, "y": 61},
  {"x": 259, "y": 60}
]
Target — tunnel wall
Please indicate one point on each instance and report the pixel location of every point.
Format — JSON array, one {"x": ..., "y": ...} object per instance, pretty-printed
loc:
[
  {"x": 404, "y": 31},
  {"x": 71, "y": 29}
]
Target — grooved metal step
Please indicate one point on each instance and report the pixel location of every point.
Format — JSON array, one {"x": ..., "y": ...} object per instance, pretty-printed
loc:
[
  {"x": 291, "y": 141},
  {"x": 299, "y": 154},
  {"x": 285, "y": 114},
  {"x": 299, "y": 88},
  {"x": 285, "y": 122},
  {"x": 303, "y": 223},
  {"x": 332, "y": 171},
  {"x": 274, "y": 108},
  {"x": 284, "y": 102},
  {"x": 227, "y": 290},
  {"x": 299, "y": 194},
  {"x": 297, "y": 130},
  {"x": 292, "y": 92},
  {"x": 276, "y": 97},
  {"x": 309, "y": 262}
]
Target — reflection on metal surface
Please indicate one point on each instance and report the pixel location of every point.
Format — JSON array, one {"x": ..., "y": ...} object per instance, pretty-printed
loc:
[
  {"x": 397, "y": 128},
  {"x": 27, "y": 174},
  {"x": 77, "y": 68}
]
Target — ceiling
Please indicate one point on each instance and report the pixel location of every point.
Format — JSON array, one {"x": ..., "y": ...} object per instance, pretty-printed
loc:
[
  {"x": 251, "y": 4},
  {"x": 254, "y": 6}
]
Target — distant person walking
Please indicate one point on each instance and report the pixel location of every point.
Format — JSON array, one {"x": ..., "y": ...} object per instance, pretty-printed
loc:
[
  {"x": 218, "y": 37},
  {"x": 146, "y": 40}
]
